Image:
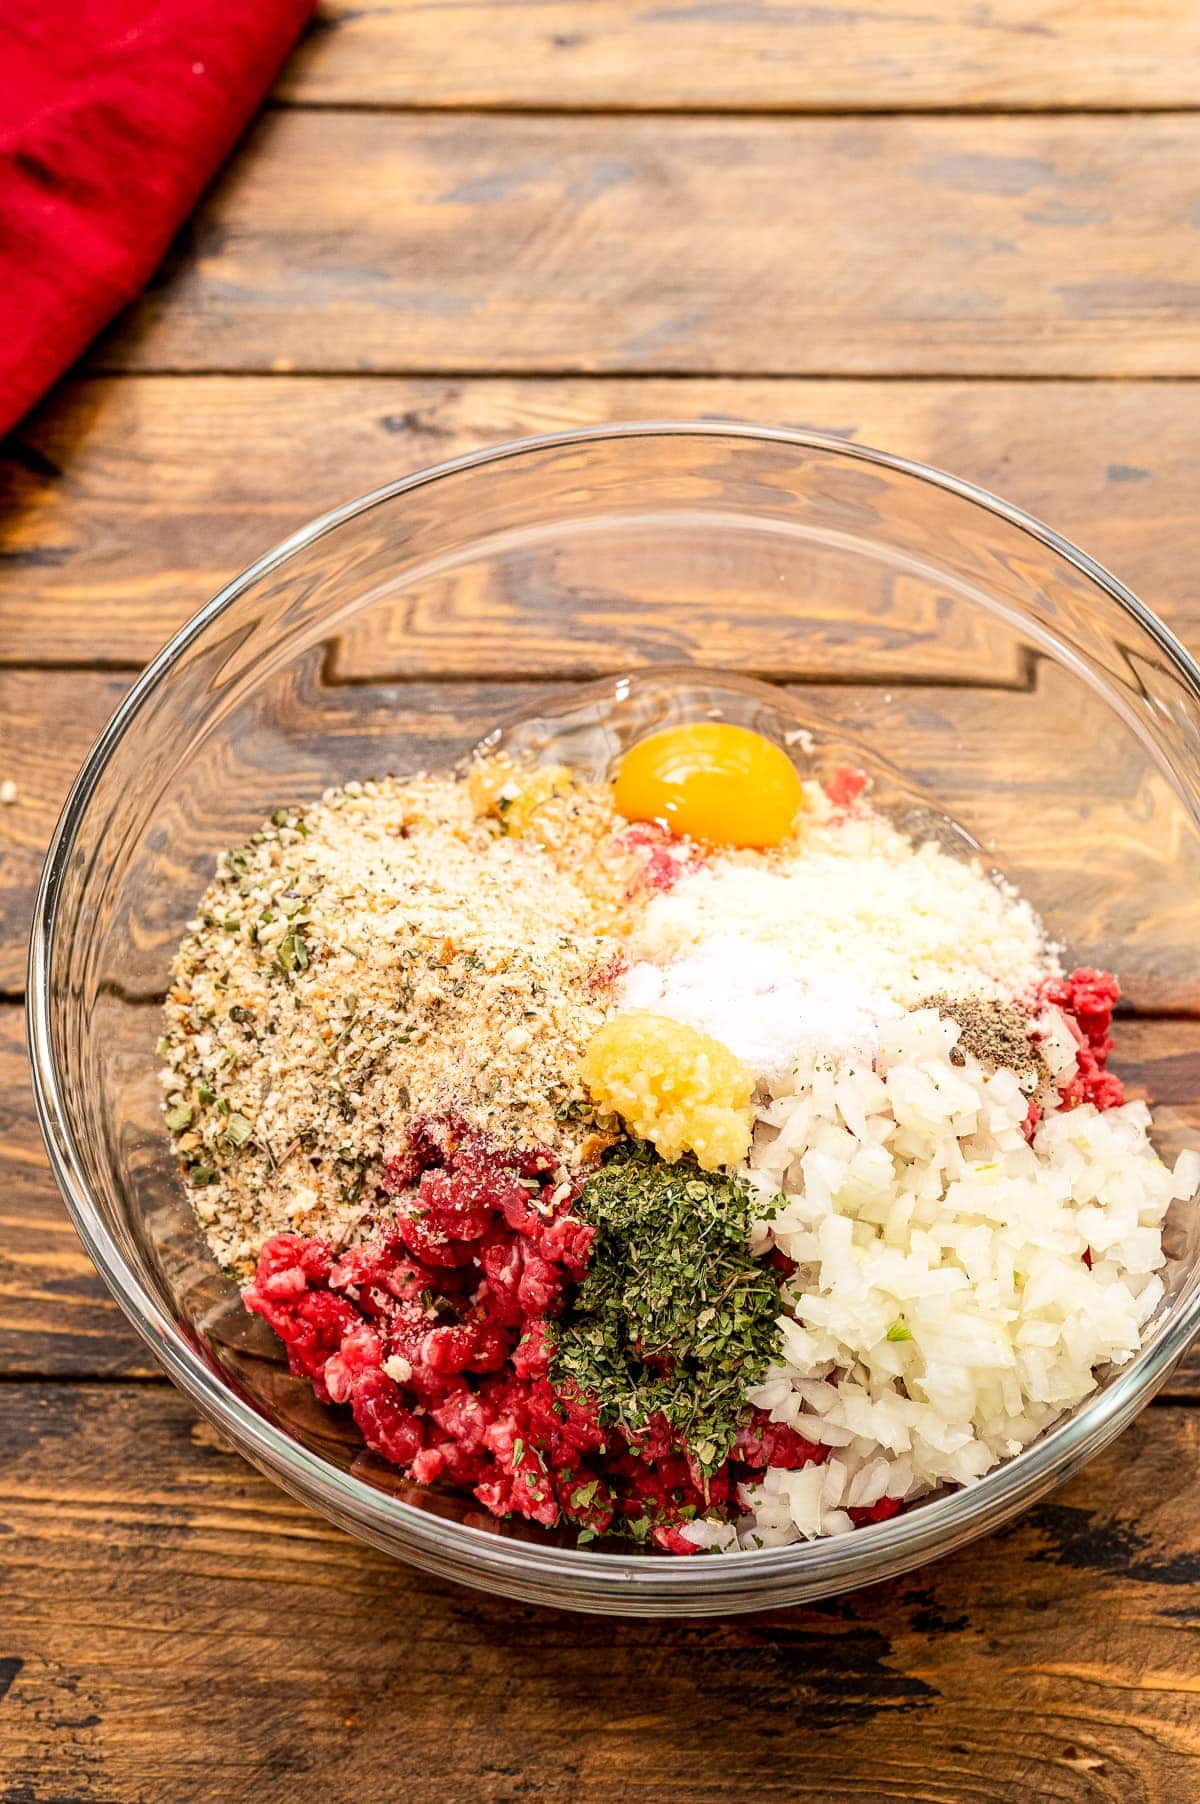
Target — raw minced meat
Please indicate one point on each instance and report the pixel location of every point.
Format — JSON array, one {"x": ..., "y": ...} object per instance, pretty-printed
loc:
[{"x": 438, "y": 1337}]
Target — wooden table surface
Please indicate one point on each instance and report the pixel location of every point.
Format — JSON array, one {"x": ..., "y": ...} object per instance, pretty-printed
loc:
[{"x": 966, "y": 233}]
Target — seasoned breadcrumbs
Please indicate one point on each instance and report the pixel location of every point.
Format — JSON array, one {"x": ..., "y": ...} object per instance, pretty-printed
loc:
[{"x": 395, "y": 951}]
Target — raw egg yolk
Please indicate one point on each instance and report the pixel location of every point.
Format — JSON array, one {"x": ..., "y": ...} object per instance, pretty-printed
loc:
[{"x": 715, "y": 782}]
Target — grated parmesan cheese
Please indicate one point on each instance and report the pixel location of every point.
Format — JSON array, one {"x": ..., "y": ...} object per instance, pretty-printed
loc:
[{"x": 855, "y": 897}]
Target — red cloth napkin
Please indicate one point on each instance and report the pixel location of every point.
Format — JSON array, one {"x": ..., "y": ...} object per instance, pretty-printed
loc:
[{"x": 113, "y": 116}]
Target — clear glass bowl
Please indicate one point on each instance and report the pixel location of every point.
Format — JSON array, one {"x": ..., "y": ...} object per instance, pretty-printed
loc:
[{"x": 977, "y": 663}]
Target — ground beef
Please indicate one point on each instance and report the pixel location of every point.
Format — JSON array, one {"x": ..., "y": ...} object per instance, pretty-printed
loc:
[
  {"x": 883, "y": 1511},
  {"x": 663, "y": 858},
  {"x": 1087, "y": 999},
  {"x": 437, "y": 1336},
  {"x": 845, "y": 786}
]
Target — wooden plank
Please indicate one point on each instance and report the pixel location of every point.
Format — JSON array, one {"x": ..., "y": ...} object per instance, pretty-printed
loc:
[
  {"x": 394, "y": 242},
  {"x": 175, "y": 1627},
  {"x": 1034, "y": 777},
  {"x": 748, "y": 54},
  {"x": 56, "y": 1318},
  {"x": 973, "y": 750},
  {"x": 50, "y": 721},
  {"x": 133, "y": 500},
  {"x": 53, "y": 717}
]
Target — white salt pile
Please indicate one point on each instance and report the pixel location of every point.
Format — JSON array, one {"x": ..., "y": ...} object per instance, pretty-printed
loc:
[{"x": 743, "y": 993}]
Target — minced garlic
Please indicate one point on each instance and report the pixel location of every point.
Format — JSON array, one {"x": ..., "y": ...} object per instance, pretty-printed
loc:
[{"x": 672, "y": 1085}]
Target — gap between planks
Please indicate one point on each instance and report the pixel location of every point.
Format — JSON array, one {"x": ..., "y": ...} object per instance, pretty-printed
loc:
[
  {"x": 1025, "y": 682},
  {"x": 567, "y": 372},
  {"x": 548, "y": 675},
  {"x": 865, "y": 109}
]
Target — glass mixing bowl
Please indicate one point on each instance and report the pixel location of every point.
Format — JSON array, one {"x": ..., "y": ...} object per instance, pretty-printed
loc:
[{"x": 978, "y": 665}]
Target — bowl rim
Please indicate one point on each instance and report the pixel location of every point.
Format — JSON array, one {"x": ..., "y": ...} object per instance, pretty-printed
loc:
[{"x": 741, "y": 1580}]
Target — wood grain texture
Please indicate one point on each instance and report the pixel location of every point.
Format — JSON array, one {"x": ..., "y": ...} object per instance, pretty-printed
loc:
[
  {"x": 393, "y": 242},
  {"x": 175, "y": 1627},
  {"x": 172, "y": 1627},
  {"x": 131, "y": 501},
  {"x": 57, "y": 1319},
  {"x": 48, "y": 722},
  {"x": 1086, "y": 828},
  {"x": 749, "y": 54}
]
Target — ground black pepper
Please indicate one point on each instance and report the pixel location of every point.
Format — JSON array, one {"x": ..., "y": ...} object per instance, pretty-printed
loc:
[{"x": 994, "y": 1032}]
